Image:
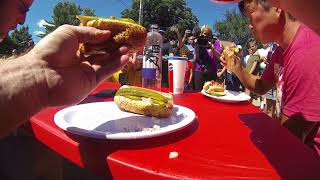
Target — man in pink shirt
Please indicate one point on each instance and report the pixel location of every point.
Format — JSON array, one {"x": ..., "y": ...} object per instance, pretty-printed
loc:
[{"x": 294, "y": 68}]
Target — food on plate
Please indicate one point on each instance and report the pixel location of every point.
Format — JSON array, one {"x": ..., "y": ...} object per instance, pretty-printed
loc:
[
  {"x": 152, "y": 129},
  {"x": 123, "y": 32},
  {"x": 144, "y": 101},
  {"x": 214, "y": 88}
]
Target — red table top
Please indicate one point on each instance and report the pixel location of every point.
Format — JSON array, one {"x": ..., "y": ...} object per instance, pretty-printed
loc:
[{"x": 226, "y": 141}]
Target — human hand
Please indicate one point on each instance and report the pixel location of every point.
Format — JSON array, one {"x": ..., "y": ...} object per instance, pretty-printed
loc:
[
  {"x": 210, "y": 45},
  {"x": 187, "y": 32},
  {"x": 264, "y": 59},
  {"x": 70, "y": 76},
  {"x": 232, "y": 64},
  {"x": 174, "y": 28}
]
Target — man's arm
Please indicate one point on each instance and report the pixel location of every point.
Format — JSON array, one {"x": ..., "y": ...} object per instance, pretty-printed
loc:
[
  {"x": 180, "y": 40},
  {"x": 254, "y": 83},
  {"x": 185, "y": 36},
  {"x": 54, "y": 74},
  {"x": 22, "y": 88},
  {"x": 216, "y": 53},
  {"x": 257, "y": 84},
  {"x": 306, "y": 11}
]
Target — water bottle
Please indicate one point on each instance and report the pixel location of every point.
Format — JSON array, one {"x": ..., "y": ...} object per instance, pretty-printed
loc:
[{"x": 151, "y": 68}]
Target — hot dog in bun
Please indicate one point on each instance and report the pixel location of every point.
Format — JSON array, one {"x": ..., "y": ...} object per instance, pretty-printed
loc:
[
  {"x": 214, "y": 88},
  {"x": 230, "y": 52},
  {"x": 144, "y": 101},
  {"x": 123, "y": 32}
]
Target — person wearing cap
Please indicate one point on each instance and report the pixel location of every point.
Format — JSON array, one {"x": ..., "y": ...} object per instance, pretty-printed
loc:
[
  {"x": 293, "y": 68},
  {"x": 208, "y": 51}
]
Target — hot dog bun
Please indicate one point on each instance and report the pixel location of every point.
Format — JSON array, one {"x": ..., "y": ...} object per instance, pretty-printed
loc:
[
  {"x": 144, "y": 101},
  {"x": 123, "y": 32}
]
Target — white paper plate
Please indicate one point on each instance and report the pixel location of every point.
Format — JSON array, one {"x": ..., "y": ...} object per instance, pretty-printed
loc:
[
  {"x": 106, "y": 121},
  {"x": 230, "y": 97}
]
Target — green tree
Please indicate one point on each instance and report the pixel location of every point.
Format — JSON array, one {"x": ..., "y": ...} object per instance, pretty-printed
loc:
[
  {"x": 6, "y": 46},
  {"x": 165, "y": 13},
  {"x": 234, "y": 27},
  {"x": 22, "y": 38},
  {"x": 65, "y": 13},
  {"x": 89, "y": 12}
]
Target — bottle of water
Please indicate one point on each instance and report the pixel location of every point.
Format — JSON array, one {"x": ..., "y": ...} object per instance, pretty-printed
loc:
[{"x": 151, "y": 68}]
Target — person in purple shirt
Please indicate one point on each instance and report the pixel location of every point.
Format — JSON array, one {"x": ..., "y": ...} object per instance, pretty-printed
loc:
[{"x": 208, "y": 51}]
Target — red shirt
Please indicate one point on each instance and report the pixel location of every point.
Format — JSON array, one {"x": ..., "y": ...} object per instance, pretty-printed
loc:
[{"x": 189, "y": 68}]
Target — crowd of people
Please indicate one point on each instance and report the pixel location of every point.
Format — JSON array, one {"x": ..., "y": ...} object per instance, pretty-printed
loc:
[
  {"x": 203, "y": 51},
  {"x": 52, "y": 73}
]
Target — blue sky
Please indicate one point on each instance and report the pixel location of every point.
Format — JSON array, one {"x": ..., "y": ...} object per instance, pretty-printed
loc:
[{"x": 207, "y": 12}]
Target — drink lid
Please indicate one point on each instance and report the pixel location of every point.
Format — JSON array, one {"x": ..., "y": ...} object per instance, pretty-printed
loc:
[
  {"x": 154, "y": 26},
  {"x": 177, "y": 58}
]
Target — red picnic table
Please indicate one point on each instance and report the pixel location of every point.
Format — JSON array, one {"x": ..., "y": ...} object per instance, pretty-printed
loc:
[{"x": 226, "y": 141}]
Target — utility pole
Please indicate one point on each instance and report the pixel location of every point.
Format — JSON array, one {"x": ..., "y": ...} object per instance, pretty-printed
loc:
[{"x": 140, "y": 12}]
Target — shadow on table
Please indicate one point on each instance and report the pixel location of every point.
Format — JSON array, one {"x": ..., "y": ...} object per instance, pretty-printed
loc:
[
  {"x": 102, "y": 148},
  {"x": 289, "y": 156},
  {"x": 236, "y": 103}
]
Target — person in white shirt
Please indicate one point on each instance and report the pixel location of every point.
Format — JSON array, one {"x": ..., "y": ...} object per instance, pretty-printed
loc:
[{"x": 263, "y": 53}]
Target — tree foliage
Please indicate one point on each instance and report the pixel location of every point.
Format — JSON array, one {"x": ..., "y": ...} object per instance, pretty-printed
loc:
[
  {"x": 65, "y": 13},
  {"x": 165, "y": 13},
  {"x": 20, "y": 39},
  {"x": 234, "y": 27},
  {"x": 88, "y": 12},
  {"x": 6, "y": 46}
]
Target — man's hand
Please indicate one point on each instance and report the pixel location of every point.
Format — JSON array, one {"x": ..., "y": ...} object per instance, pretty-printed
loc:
[
  {"x": 232, "y": 64},
  {"x": 70, "y": 76},
  {"x": 174, "y": 28},
  {"x": 187, "y": 32},
  {"x": 211, "y": 45}
]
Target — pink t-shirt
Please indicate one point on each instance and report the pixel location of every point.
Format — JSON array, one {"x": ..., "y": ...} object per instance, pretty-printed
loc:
[{"x": 296, "y": 72}]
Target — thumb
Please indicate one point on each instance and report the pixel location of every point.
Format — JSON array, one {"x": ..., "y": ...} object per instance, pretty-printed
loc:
[{"x": 90, "y": 34}]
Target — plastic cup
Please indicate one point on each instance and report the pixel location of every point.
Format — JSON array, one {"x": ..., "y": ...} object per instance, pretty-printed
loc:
[{"x": 177, "y": 70}]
